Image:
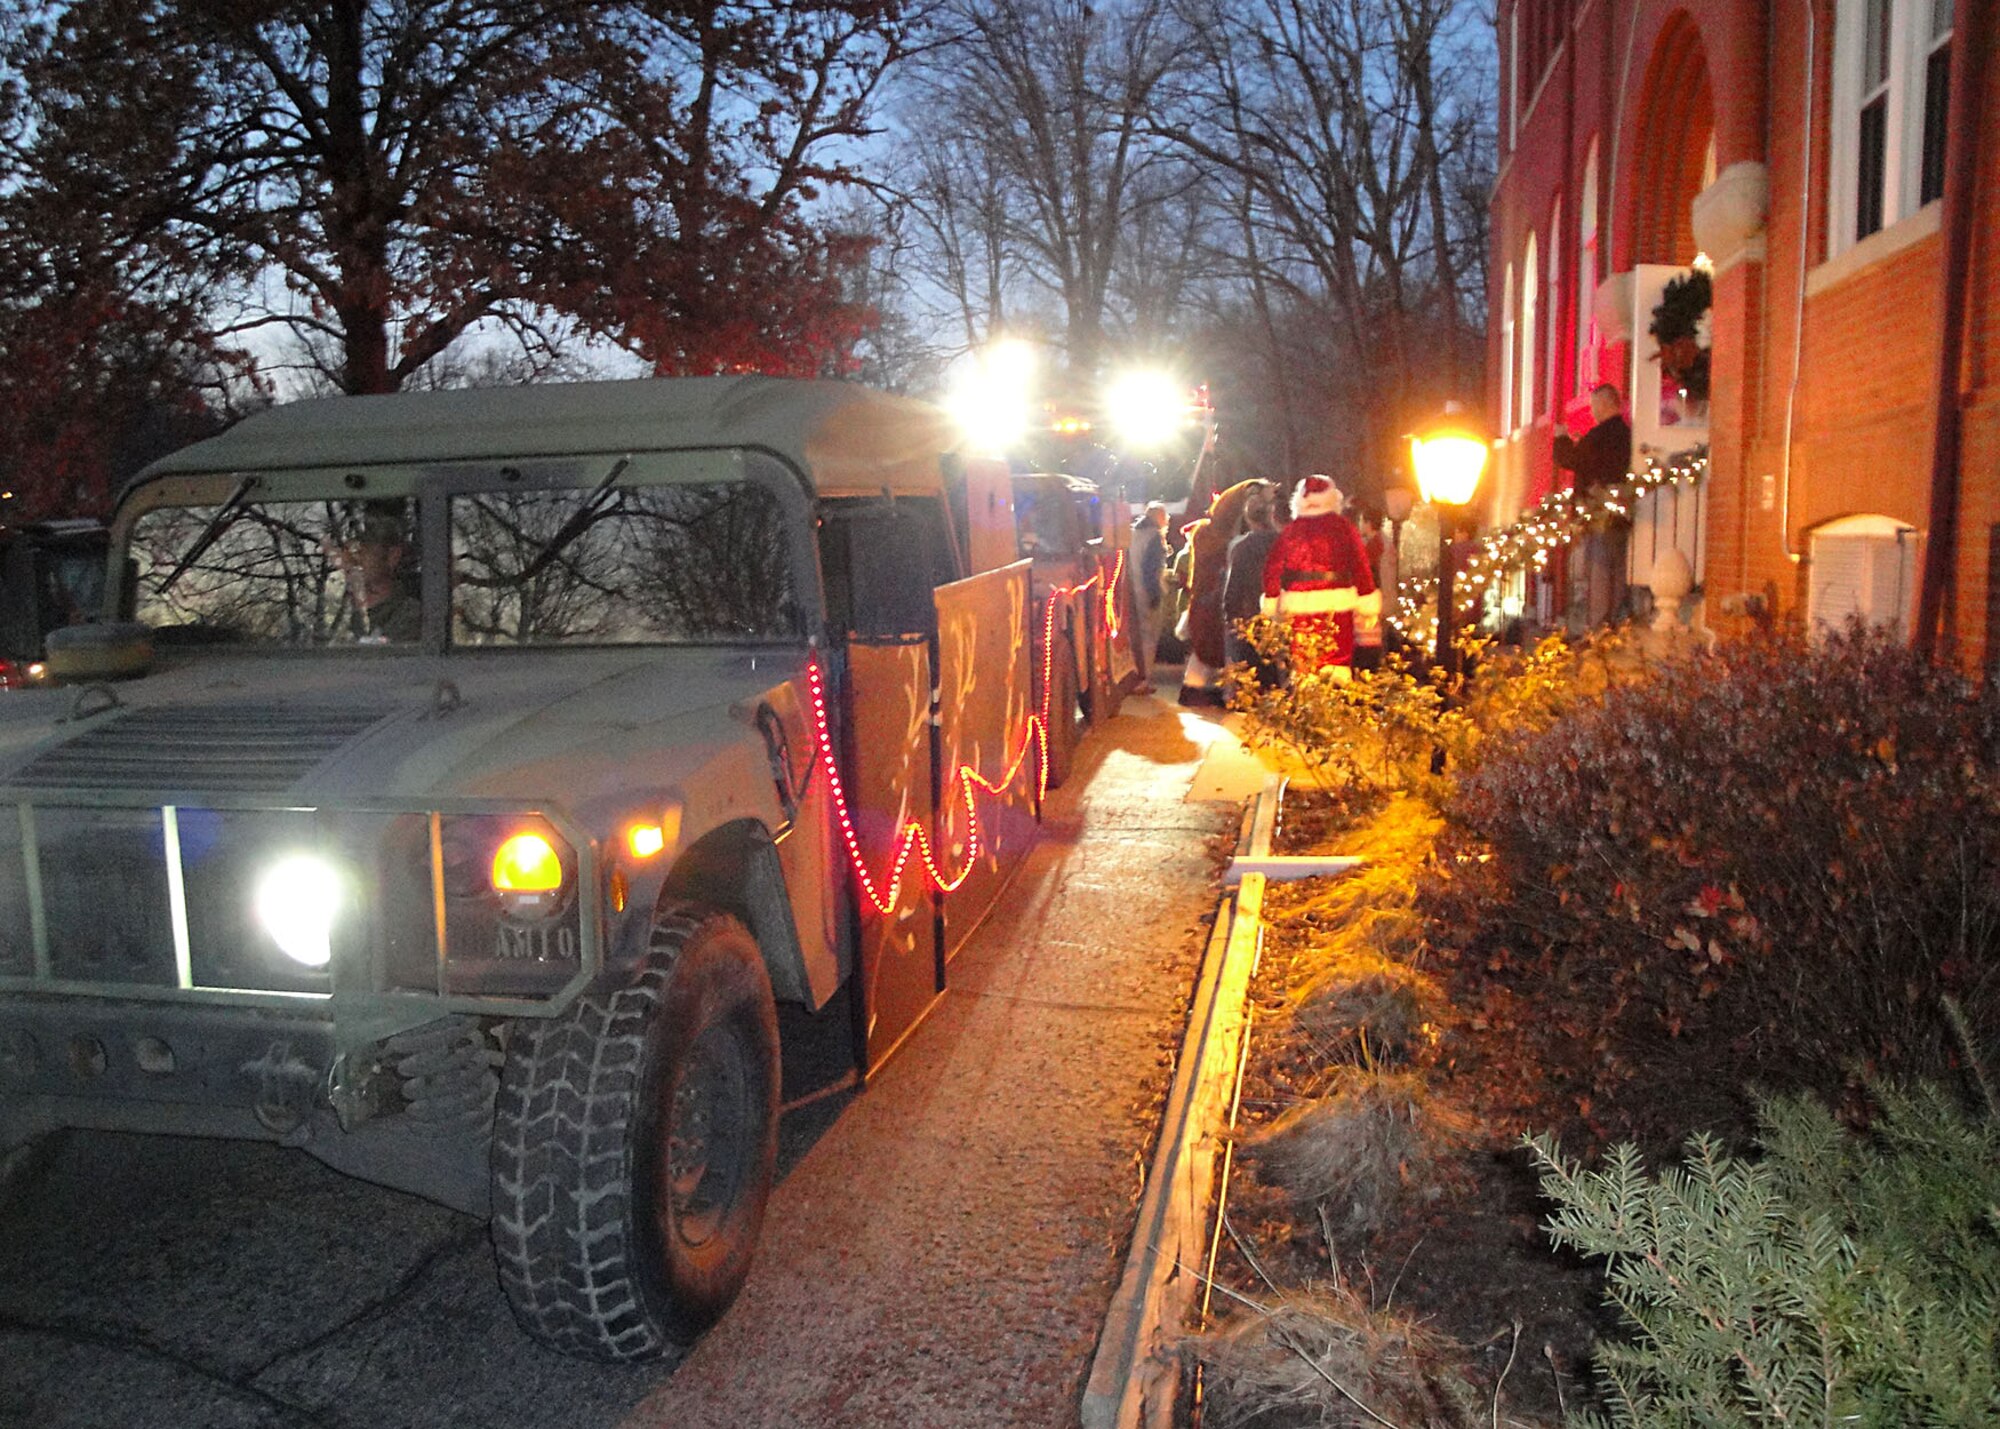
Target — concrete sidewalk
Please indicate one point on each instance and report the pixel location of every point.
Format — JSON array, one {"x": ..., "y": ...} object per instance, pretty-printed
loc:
[{"x": 945, "y": 1254}]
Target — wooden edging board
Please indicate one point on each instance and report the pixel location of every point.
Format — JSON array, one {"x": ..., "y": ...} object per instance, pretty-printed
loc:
[{"x": 1135, "y": 1375}]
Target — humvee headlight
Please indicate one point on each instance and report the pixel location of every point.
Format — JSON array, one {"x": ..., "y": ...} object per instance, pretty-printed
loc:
[
  {"x": 296, "y": 902},
  {"x": 527, "y": 863}
]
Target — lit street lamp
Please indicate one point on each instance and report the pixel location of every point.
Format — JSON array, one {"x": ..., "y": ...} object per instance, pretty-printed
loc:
[{"x": 1449, "y": 456}]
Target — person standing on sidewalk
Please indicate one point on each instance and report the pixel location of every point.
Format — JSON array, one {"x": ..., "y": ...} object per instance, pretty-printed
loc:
[
  {"x": 1601, "y": 457},
  {"x": 1368, "y": 626},
  {"x": 1317, "y": 579},
  {"x": 1243, "y": 587},
  {"x": 1147, "y": 561}
]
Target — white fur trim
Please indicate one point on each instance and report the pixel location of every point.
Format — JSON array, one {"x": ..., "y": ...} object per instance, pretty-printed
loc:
[
  {"x": 1317, "y": 602},
  {"x": 1369, "y": 604},
  {"x": 1325, "y": 503},
  {"x": 1268, "y": 607}
]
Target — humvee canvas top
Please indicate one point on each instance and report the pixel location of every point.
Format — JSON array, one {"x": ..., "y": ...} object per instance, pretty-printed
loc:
[{"x": 842, "y": 439}]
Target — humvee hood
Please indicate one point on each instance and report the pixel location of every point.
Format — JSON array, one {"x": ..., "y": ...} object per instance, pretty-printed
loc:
[{"x": 532, "y": 726}]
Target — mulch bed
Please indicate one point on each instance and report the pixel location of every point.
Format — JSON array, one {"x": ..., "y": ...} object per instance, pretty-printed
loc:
[{"x": 1467, "y": 1257}]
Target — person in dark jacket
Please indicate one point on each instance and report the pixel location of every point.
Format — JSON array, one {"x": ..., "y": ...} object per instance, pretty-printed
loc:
[
  {"x": 1601, "y": 457},
  {"x": 1147, "y": 572},
  {"x": 1243, "y": 586}
]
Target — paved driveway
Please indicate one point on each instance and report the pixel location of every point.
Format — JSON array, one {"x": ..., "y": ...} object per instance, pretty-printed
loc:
[{"x": 939, "y": 1251}]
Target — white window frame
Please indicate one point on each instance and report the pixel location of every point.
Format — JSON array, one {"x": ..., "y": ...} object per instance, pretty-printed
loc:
[
  {"x": 1507, "y": 351},
  {"x": 1531, "y": 298},
  {"x": 1553, "y": 348},
  {"x": 1586, "y": 277},
  {"x": 1911, "y": 44}
]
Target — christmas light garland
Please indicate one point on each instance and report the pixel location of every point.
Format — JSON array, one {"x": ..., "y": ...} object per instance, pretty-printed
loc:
[
  {"x": 1542, "y": 530},
  {"x": 885, "y": 893}
]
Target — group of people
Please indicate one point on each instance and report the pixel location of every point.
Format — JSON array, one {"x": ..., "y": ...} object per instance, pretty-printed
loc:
[
  {"x": 1320, "y": 573},
  {"x": 1323, "y": 572}
]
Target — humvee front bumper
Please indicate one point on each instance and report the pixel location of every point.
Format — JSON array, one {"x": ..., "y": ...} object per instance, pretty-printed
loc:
[
  {"x": 148, "y": 983},
  {"x": 411, "y": 1110}
]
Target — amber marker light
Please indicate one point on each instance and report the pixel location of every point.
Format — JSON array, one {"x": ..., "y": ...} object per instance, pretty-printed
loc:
[{"x": 527, "y": 863}]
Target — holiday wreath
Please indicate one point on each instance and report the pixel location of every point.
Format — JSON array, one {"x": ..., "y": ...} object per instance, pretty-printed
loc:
[{"x": 1680, "y": 326}]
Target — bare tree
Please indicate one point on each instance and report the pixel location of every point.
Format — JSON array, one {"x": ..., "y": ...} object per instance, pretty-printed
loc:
[
  {"x": 1054, "y": 173},
  {"x": 1344, "y": 128}
]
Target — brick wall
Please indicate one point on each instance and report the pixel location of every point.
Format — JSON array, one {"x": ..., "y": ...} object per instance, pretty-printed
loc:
[{"x": 1860, "y": 417}]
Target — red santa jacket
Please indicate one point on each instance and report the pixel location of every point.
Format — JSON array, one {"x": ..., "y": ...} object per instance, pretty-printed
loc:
[{"x": 1318, "y": 573}]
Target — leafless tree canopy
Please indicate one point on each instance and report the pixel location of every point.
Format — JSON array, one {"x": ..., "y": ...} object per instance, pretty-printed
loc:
[{"x": 1287, "y": 195}]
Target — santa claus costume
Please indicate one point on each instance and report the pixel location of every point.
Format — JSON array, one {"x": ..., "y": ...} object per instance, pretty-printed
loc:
[{"x": 1318, "y": 581}]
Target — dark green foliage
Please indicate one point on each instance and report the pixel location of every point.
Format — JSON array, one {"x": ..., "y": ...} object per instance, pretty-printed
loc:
[
  {"x": 1840, "y": 1279},
  {"x": 1676, "y": 325}
]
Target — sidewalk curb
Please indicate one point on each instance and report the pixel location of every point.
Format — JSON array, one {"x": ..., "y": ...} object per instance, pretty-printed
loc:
[{"x": 1135, "y": 1375}]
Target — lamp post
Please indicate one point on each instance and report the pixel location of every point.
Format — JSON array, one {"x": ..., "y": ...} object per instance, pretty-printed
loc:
[
  {"x": 1397, "y": 502},
  {"x": 1449, "y": 457}
]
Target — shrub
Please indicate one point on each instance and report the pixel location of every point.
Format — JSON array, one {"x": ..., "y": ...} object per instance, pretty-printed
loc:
[
  {"x": 1841, "y": 1279},
  {"x": 1393, "y": 727},
  {"x": 1324, "y": 1360},
  {"x": 1378, "y": 728},
  {"x": 1365, "y": 1010},
  {"x": 1787, "y": 849},
  {"x": 1377, "y": 1143}
]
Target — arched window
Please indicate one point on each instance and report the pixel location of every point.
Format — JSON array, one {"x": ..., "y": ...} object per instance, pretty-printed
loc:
[
  {"x": 1507, "y": 351},
  {"x": 1530, "y": 296},
  {"x": 1586, "y": 277}
]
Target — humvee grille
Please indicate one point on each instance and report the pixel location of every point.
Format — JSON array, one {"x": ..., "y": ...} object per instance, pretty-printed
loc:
[{"x": 229, "y": 748}]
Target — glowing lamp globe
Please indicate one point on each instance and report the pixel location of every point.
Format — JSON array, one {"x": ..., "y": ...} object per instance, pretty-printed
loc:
[{"x": 1449, "y": 462}]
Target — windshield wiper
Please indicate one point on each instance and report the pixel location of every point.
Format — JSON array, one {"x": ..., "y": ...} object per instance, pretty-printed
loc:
[
  {"x": 221, "y": 521},
  {"x": 573, "y": 527}
]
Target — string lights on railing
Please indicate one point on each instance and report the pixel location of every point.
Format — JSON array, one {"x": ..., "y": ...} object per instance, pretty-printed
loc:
[
  {"x": 1543, "y": 529},
  {"x": 885, "y": 892}
]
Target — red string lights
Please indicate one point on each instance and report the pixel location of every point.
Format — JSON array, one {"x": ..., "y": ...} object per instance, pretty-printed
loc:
[{"x": 884, "y": 893}]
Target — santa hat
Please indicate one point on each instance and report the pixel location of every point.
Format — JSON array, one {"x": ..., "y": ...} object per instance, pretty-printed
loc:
[{"x": 1317, "y": 496}]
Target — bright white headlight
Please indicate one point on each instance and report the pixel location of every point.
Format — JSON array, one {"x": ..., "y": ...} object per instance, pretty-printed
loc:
[
  {"x": 296, "y": 900},
  {"x": 1146, "y": 409}
]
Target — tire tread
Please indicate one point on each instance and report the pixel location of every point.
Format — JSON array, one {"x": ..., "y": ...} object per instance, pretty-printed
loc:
[{"x": 564, "y": 1236}]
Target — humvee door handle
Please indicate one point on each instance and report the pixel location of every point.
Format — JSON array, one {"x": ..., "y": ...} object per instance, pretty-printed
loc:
[{"x": 778, "y": 745}]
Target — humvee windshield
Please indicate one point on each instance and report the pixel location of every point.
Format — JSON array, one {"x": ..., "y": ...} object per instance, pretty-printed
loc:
[
  {"x": 678, "y": 563},
  {"x": 292, "y": 573},
  {"x": 685, "y": 563}
]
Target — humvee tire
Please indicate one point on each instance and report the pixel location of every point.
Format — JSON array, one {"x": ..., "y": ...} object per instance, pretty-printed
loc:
[
  {"x": 1062, "y": 731},
  {"x": 634, "y": 1143}
]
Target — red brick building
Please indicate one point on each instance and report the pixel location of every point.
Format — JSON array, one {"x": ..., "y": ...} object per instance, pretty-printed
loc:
[{"x": 1836, "y": 165}]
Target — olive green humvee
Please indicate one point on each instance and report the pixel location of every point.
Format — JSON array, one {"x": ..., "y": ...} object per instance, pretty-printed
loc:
[{"x": 482, "y": 794}]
